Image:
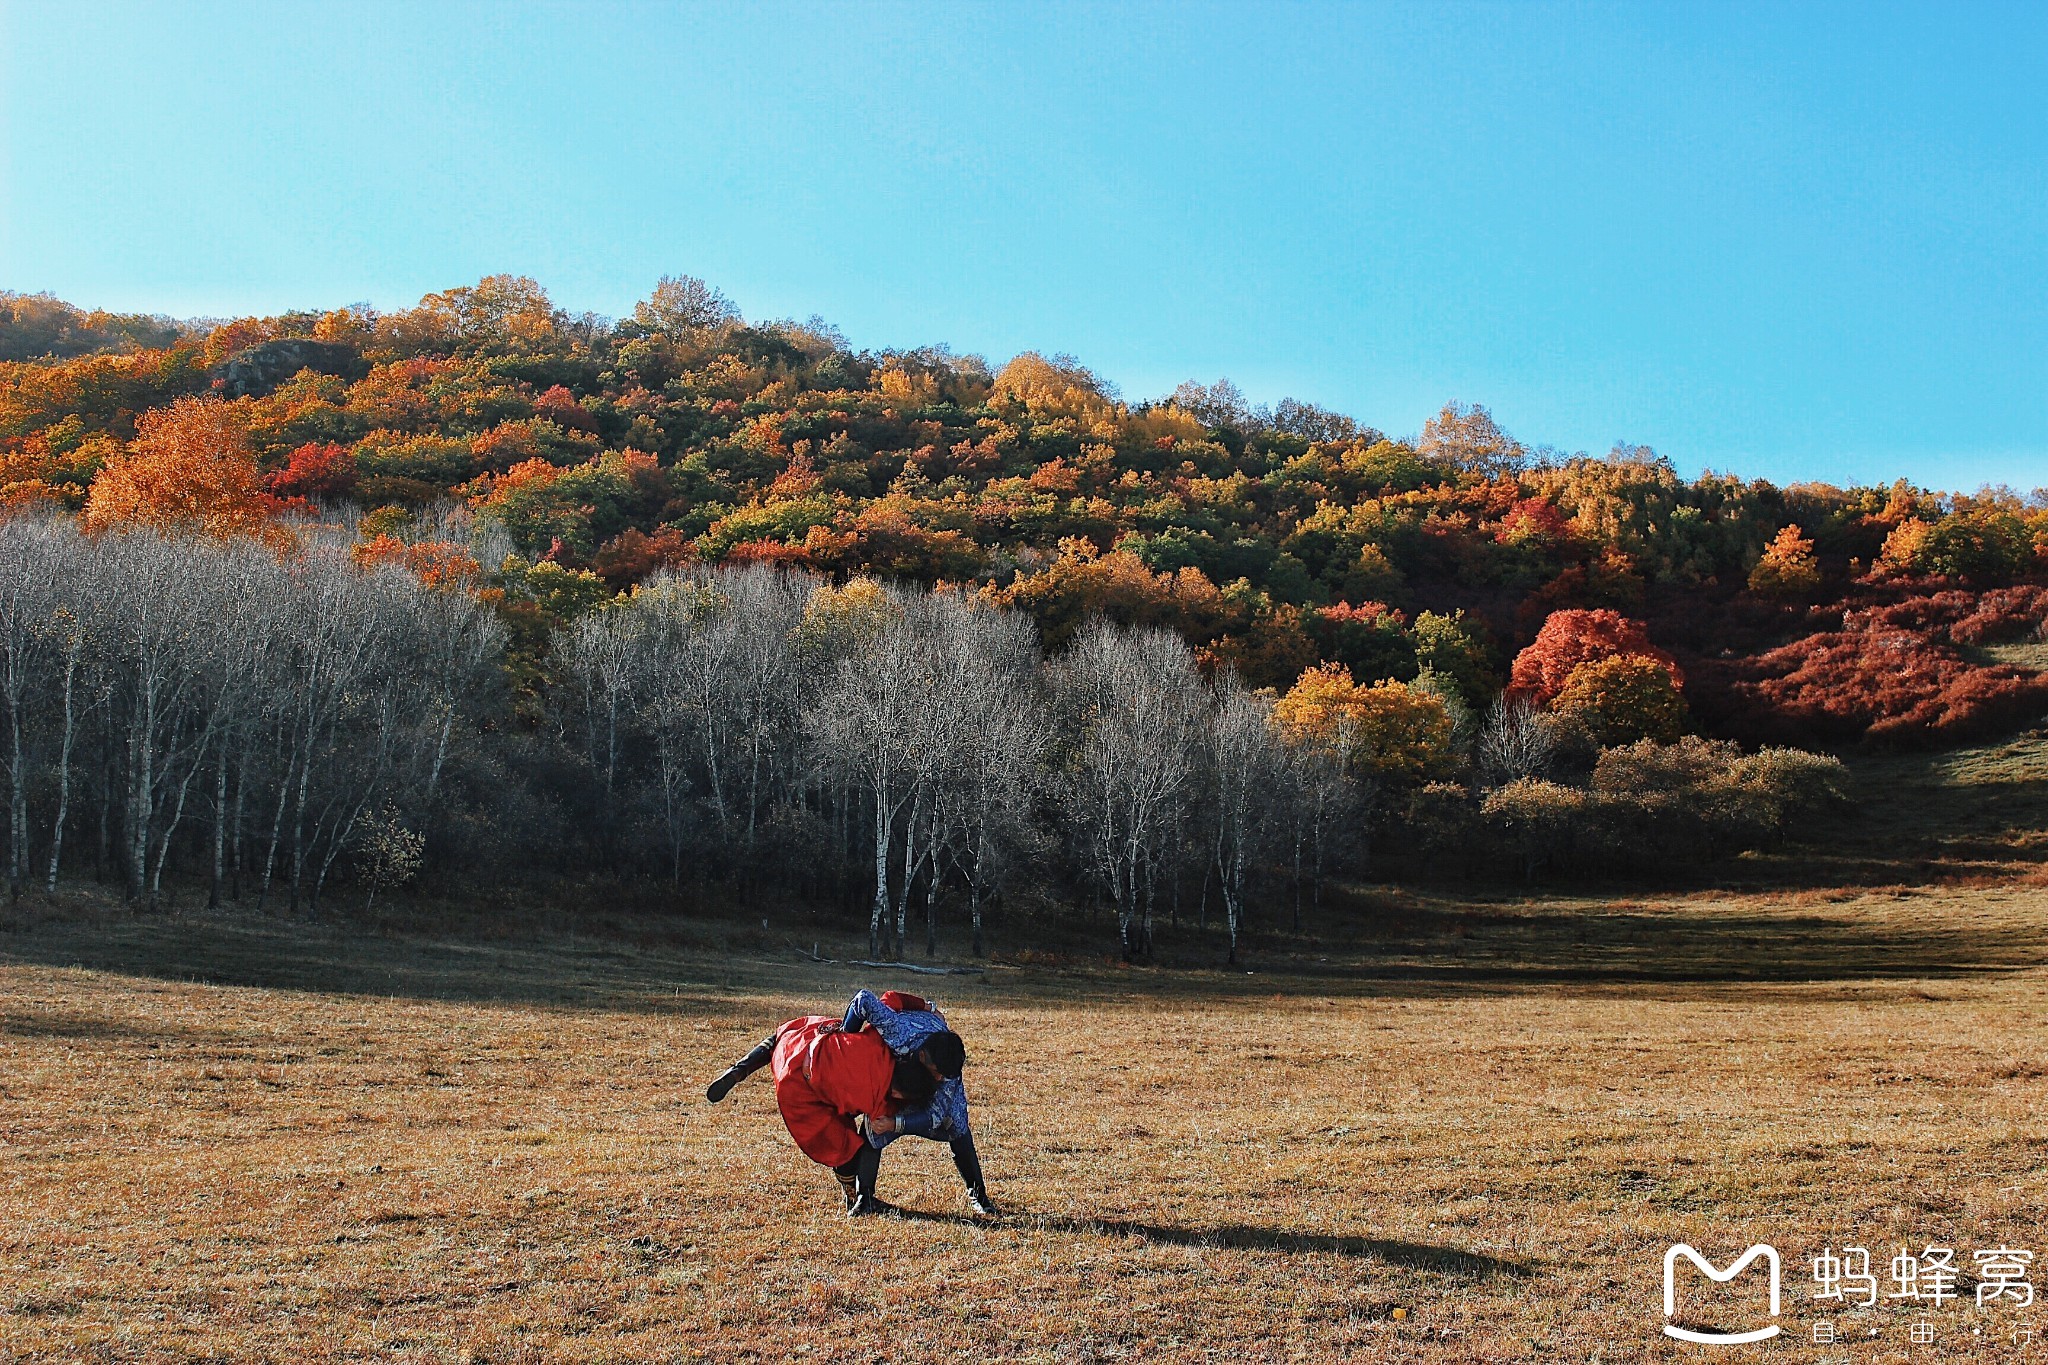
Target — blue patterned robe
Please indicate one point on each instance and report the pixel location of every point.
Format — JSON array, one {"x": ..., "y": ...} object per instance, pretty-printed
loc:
[{"x": 945, "y": 1118}]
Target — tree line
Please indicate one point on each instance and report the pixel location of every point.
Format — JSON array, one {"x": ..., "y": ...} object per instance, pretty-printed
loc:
[
  {"x": 268, "y": 719},
  {"x": 213, "y": 707}
]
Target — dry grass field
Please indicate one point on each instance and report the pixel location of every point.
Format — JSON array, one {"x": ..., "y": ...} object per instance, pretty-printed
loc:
[{"x": 1461, "y": 1129}]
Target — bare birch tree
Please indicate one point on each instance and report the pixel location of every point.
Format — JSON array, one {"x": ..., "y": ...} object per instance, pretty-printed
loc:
[
  {"x": 1246, "y": 768},
  {"x": 1131, "y": 705}
]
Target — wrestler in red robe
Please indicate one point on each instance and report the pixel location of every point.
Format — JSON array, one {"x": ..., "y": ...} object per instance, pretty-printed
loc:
[{"x": 825, "y": 1078}]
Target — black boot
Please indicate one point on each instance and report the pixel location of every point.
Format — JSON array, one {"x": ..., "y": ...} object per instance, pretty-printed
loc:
[
  {"x": 969, "y": 1165},
  {"x": 866, "y": 1168},
  {"x": 741, "y": 1069},
  {"x": 849, "y": 1186}
]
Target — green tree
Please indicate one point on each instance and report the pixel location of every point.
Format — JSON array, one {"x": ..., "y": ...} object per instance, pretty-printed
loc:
[
  {"x": 682, "y": 305},
  {"x": 1448, "y": 646}
]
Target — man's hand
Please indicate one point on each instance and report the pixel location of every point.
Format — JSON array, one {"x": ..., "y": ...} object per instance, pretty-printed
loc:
[{"x": 881, "y": 1124}]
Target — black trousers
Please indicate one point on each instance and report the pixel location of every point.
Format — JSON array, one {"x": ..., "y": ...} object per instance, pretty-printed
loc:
[{"x": 864, "y": 1168}]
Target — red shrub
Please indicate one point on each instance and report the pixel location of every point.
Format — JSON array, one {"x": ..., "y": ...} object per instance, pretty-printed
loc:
[
  {"x": 2003, "y": 614},
  {"x": 768, "y": 550},
  {"x": 438, "y": 563},
  {"x": 1884, "y": 683},
  {"x": 1532, "y": 519},
  {"x": 632, "y": 555},
  {"x": 1368, "y": 614},
  {"x": 1928, "y": 611},
  {"x": 559, "y": 406},
  {"x": 314, "y": 471}
]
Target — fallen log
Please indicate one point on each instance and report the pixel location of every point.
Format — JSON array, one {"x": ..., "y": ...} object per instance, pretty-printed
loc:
[{"x": 814, "y": 956}]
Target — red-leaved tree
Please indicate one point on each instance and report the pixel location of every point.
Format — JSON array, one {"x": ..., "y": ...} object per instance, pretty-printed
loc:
[{"x": 1571, "y": 638}]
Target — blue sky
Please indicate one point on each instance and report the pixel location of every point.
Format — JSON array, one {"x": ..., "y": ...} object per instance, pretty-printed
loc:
[{"x": 1792, "y": 241}]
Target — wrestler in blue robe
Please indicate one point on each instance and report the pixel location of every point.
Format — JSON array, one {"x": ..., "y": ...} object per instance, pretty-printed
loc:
[{"x": 944, "y": 1119}]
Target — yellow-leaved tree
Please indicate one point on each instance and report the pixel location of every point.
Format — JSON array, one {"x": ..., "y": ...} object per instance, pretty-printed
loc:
[
  {"x": 1390, "y": 730},
  {"x": 836, "y": 618},
  {"x": 1788, "y": 567},
  {"x": 1623, "y": 699},
  {"x": 1904, "y": 548}
]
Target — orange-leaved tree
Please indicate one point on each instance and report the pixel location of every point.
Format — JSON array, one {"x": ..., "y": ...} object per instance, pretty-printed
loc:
[
  {"x": 1571, "y": 638},
  {"x": 1904, "y": 549},
  {"x": 315, "y": 470},
  {"x": 188, "y": 470},
  {"x": 436, "y": 563},
  {"x": 1083, "y": 582}
]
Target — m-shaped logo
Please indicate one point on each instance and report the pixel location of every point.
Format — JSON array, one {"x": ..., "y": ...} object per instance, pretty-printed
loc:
[{"x": 1768, "y": 1254}]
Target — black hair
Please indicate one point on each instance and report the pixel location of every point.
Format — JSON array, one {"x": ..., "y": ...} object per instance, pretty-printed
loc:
[
  {"x": 946, "y": 1052},
  {"x": 912, "y": 1081}
]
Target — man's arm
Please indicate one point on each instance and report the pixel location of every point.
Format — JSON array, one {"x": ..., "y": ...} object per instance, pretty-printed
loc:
[
  {"x": 945, "y": 1117},
  {"x": 861, "y": 1010},
  {"x": 928, "y": 1122},
  {"x": 889, "y": 1017}
]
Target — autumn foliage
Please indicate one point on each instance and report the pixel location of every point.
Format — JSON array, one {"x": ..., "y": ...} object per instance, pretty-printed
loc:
[
  {"x": 1899, "y": 669},
  {"x": 1624, "y": 698},
  {"x": 1271, "y": 538},
  {"x": 437, "y": 563},
  {"x": 322, "y": 470},
  {"x": 190, "y": 470},
  {"x": 1788, "y": 567},
  {"x": 1388, "y": 730},
  {"x": 1573, "y": 638}
]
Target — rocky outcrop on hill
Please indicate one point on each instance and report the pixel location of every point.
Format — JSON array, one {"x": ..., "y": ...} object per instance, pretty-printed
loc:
[{"x": 254, "y": 372}]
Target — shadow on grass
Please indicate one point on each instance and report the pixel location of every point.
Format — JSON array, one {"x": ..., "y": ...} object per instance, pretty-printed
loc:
[
  {"x": 334, "y": 957},
  {"x": 1451, "y": 1261},
  {"x": 1921, "y": 817},
  {"x": 1593, "y": 946},
  {"x": 32, "y": 1023},
  {"x": 1927, "y": 820},
  {"x": 1396, "y": 945},
  {"x": 1391, "y": 941}
]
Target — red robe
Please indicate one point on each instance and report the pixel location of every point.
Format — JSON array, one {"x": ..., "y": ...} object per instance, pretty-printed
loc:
[{"x": 823, "y": 1077}]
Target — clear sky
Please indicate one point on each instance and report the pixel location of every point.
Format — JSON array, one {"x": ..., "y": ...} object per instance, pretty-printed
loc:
[{"x": 1795, "y": 241}]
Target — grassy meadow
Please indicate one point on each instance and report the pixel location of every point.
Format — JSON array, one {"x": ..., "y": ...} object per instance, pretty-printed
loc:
[{"x": 1442, "y": 1124}]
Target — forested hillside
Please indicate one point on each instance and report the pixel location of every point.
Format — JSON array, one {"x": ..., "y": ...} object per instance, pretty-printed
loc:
[{"x": 1481, "y": 644}]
